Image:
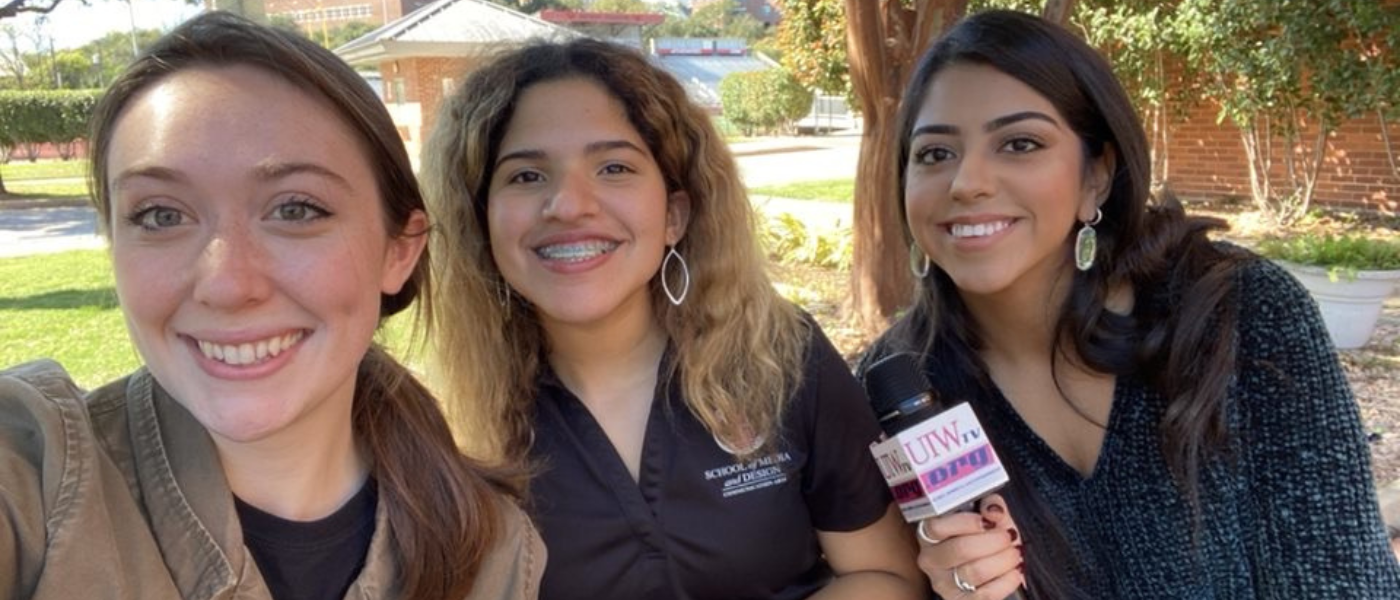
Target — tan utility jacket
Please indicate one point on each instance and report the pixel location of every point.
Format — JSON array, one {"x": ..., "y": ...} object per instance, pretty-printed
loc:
[{"x": 118, "y": 495}]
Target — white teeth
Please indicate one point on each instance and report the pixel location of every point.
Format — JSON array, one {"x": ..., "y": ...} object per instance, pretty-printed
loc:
[
  {"x": 576, "y": 252},
  {"x": 250, "y": 352},
  {"x": 961, "y": 230}
]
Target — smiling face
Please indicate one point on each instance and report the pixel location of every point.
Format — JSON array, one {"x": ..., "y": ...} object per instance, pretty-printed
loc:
[
  {"x": 250, "y": 250},
  {"x": 578, "y": 212},
  {"x": 996, "y": 182}
]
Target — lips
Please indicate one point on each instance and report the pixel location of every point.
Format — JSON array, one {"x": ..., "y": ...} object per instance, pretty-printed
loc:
[
  {"x": 579, "y": 251},
  {"x": 248, "y": 353},
  {"x": 977, "y": 230}
]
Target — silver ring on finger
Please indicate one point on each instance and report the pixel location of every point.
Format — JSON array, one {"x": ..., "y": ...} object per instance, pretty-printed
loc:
[
  {"x": 962, "y": 585},
  {"x": 923, "y": 535}
]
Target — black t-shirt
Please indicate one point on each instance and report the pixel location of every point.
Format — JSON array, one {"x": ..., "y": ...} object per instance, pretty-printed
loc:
[
  {"x": 311, "y": 560},
  {"x": 697, "y": 525}
]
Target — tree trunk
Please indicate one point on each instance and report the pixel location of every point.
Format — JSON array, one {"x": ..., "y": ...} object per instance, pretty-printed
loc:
[
  {"x": 3, "y": 192},
  {"x": 884, "y": 40},
  {"x": 1057, "y": 11}
]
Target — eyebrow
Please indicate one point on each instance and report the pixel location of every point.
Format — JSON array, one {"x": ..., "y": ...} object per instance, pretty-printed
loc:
[
  {"x": 990, "y": 126},
  {"x": 157, "y": 173},
  {"x": 269, "y": 171},
  {"x": 591, "y": 148},
  {"x": 266, "y": 171}
]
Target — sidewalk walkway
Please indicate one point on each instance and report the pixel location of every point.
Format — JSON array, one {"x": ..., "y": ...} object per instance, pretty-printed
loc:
[{"x": 42, "y": 228}]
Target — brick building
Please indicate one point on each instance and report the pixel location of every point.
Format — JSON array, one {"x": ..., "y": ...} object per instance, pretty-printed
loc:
[
  {"x": 1205, "y": 159},
  {"x": 423, "y": 56}
]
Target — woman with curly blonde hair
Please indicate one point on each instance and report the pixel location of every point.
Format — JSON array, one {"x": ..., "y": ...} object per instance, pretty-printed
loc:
[{"x": 605, "y": 316}]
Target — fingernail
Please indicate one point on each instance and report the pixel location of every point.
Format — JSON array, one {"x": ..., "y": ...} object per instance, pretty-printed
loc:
[
  {"x": 988, "y": 524},
  {"x": 995, "y": 508},
  {"x": 1014, "y": 536}
]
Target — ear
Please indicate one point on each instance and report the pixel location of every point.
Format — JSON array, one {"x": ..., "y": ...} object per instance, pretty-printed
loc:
[
  {"x": 1098, "y": 182},
  {"x": 677, "y": 216},
  {"x": 402, "y": 253}
]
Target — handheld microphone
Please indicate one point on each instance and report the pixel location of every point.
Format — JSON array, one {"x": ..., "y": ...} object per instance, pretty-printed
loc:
[{"x": 934, "y": 462}]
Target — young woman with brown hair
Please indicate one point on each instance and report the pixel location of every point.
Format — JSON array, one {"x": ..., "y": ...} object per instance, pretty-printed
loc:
[
  {"x": 604, "y": 315},
  {"x": 263, "y": 220},
  {"x": 1172, "y": 415}
]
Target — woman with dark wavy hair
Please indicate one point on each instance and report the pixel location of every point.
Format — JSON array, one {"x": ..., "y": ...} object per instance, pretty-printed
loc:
[
  {"x": 263, "y": 220},
  {"x": 1170, "y": 410},
  {"x": 604, "y": 314}
]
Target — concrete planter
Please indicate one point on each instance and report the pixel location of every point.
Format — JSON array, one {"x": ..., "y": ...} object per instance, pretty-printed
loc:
[{"x": 1350, "y": 307}]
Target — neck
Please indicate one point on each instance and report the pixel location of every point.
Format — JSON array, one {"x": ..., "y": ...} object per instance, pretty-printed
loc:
[
  {"x": 299, "y": 477},
  {"x": 1018, "y": 323},
  {"x": 595, "y": 358}
]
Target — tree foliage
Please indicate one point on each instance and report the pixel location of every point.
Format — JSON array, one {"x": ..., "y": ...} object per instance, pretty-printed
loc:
[
  {"x": 1290, "y": 72},
  {"x": 812, "y": 38},
  {"x": 717, "y": 19},
  {"x": 621, "y": 6},
  {"x": 531, "y": 7},
  {"x": 763, "y": 100}
]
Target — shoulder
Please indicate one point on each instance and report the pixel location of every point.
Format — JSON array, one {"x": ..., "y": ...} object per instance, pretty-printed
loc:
[
  {"x": 515, "y": 564},
  {"x": 1274, "y": 310},
  {"x": 39, "y": 406},
  {"x": 42, "y": 431}
]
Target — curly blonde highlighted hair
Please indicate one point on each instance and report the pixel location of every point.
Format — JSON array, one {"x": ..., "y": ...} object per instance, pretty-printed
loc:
[{"x": 739, "y": 347}]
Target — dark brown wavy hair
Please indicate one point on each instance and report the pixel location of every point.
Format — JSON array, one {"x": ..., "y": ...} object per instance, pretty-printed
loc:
[
  {"x": 443, "y": 509},
  {"x": 1183, "y": 349}
]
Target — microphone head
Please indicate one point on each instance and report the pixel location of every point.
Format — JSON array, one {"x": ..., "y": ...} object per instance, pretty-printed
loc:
[{"x": 892, "y": 382}]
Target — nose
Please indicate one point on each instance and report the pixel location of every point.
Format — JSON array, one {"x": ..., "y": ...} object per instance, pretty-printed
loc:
[
  {"x": 973, "y": 179},
  {"x": 571, "y": 198},
  {"x": 231, "y": 270}
]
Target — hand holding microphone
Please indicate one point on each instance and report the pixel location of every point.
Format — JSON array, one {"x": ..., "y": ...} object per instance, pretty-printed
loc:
[{"x": 942, "y": 471}]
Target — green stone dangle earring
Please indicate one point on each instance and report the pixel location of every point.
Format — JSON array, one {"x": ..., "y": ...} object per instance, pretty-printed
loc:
[{"x": 1086, "y": 244}]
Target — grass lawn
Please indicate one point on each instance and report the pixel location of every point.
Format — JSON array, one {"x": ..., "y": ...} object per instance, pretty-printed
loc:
[
  {"x": 837, "y": 190},
  {"x": 48, "y": 169},
  {"x": 47, "y": 188},
  {"x": 64, "y": 306}
]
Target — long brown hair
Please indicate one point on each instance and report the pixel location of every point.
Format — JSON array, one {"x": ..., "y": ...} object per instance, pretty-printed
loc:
[
  {"x": 442, "y": 508},
  {"x": 1184, "y": 351},
  {"x": 738, "y": 345}
]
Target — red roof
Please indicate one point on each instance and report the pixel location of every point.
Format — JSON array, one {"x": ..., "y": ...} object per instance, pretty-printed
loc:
[{"x": 610, "y": 18}]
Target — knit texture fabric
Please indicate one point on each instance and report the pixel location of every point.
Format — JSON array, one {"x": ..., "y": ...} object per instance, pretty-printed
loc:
[{"x": 1290, "y": 511}]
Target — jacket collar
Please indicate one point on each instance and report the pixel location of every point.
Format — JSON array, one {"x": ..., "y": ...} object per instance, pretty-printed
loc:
[{"x": 191, "y": 510}]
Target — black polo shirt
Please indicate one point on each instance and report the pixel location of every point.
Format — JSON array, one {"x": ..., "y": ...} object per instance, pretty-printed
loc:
[{"x": 697, "y": 524}]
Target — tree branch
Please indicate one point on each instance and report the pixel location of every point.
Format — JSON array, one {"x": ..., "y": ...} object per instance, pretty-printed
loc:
[{"x": 14, "y": 7}]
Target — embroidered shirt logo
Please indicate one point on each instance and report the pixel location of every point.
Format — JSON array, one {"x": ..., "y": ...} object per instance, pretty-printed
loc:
[{"x": 751, "y": 476}]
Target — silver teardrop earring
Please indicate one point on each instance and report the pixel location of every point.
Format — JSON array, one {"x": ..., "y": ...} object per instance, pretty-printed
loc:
[
  {"x": 1086, "y": 243},
  {"x": 676, "y": 299},
  {"x": 918, "y": 261}
]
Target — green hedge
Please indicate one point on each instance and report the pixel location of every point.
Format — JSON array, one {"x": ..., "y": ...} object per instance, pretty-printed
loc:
[
  {"x": 763, "y": 100},
  {"x": 31, "y": 118}
]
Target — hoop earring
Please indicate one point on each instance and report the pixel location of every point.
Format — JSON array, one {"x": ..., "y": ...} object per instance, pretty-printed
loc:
[
  {"x": 676, "y": 299},
  {"x": 918, "y": 261},
  {"x": 1086, "y": 243}
]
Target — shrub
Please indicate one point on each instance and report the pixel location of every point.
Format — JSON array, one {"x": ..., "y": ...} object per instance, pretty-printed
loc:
[
  {"x": 763, "y": 100},
  {"x": 788, "y": 240},
  {"x": 29, "y": 119},
  {"x": 1342, "y": 255}
]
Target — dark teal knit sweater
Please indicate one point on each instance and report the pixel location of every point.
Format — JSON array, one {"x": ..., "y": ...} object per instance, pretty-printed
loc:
[{"x": 1292, "y": 514}]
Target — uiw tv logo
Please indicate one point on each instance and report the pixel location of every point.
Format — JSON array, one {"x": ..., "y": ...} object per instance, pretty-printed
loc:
[{"x": 939, "y": 464}]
